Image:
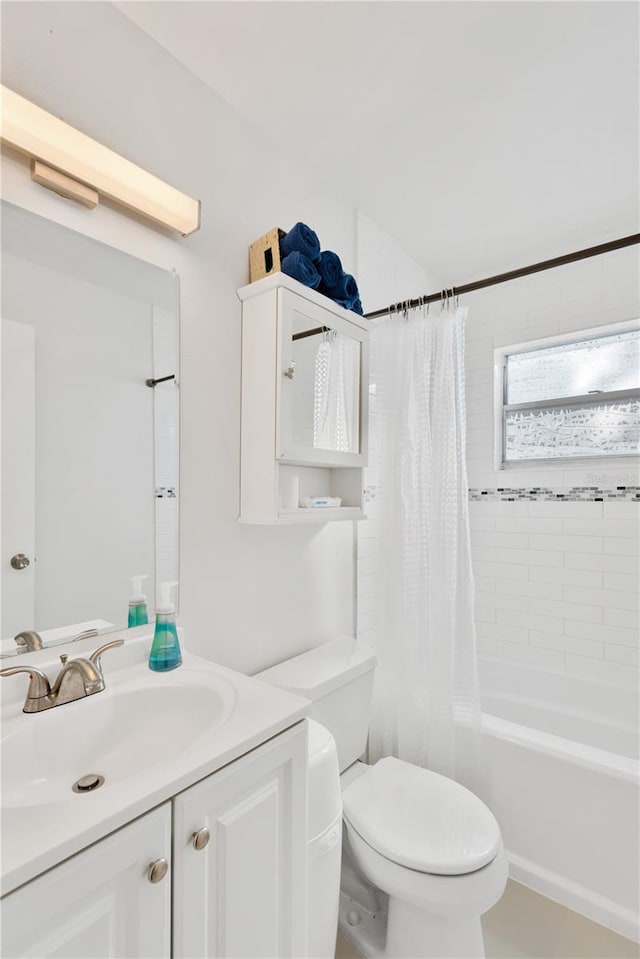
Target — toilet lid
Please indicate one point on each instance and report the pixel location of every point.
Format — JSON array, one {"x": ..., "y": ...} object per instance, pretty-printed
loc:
[{"x": 421, "y": 820}]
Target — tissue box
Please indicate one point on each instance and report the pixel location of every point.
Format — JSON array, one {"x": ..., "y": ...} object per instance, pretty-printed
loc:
[{"x": 264, "y": 255}]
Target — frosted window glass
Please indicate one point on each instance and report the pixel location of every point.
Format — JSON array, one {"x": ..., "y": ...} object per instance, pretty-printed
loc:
[
  {"x": 604, "y": 429},
  {"x": 573, "y": 369}
]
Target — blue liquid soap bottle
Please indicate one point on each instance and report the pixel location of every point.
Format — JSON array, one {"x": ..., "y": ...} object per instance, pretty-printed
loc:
[
  {"x": 165, "y": 649},
  {"x": 138, "y": 615}
]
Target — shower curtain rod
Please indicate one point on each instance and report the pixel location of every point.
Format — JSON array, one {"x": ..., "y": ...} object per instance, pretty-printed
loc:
[{"x": 511, "y": 275}]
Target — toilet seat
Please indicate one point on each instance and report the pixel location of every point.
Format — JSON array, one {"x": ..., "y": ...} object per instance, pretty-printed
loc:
[{"x": 421, "y": 820}]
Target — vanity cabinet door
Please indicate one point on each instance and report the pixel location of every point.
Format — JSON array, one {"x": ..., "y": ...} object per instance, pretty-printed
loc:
[
  {"x": 100, "y": 904},
  {"x": 243, "y": 894}
]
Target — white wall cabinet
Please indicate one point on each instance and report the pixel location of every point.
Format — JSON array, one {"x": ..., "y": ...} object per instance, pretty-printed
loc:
[
  {"x": 99, "y": 904},
  {"x": 241, "y": 896},
  {"x": 283, "y": 457}
]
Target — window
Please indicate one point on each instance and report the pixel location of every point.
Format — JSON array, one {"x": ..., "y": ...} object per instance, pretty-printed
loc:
[{"x": 578, "y": 399}]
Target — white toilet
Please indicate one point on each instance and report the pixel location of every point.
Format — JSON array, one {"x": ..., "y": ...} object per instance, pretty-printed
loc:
[{"x": 422, "y": 856}]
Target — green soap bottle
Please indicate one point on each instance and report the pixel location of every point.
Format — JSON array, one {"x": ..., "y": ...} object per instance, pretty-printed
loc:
[
  {"x": 138, "y": 615},
  {"x": 165, "y": 649}
]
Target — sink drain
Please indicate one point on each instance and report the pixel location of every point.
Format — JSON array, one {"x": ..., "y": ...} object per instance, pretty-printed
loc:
[{"x": 88, "y": 783}]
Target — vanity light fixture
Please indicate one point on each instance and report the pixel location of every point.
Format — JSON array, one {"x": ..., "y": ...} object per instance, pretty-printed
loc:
[{"x": 74, "y": 165}]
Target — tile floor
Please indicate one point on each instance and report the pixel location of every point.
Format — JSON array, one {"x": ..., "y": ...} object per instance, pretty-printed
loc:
[{"x": 526, "y": 925}]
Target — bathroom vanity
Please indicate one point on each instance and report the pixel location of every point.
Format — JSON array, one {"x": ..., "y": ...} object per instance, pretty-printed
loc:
[
  {"x": 195, "y": 845},
  {"x": 305, "y": 391}
]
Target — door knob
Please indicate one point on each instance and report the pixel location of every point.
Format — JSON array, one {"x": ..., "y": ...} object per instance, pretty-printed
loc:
[
  {"x": 20, "y": 561},
  {"x": 201, "y": 838},
  {"x": 157, "y": 870}
]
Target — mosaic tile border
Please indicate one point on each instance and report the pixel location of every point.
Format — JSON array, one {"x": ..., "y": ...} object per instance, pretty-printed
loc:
[
  {"x": 572, "y": 494},
  {"x": 166, "y": 492}
]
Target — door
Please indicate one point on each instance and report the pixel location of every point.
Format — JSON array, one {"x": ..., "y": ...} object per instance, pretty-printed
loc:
[
  {"x": 100, "y": 904},
  {"x": 18, "y": 477},
  {"x": 242, "y": 895}
]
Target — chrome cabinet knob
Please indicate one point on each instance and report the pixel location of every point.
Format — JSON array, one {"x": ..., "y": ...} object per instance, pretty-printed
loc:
[
  {"x": 20, "y": 561},
  {"x": 157, "y": 870},
  {"x": 201, "y": 838}
]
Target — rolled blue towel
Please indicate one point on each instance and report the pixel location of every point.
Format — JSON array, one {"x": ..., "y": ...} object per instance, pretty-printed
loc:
[
  {"x": 301, "y": 239},
  {"x": 354, "y": 305},
  {"x": 330, "y": 269},
  {"x": 346, "y": 289},
  {"x": 300, "y": 267}
]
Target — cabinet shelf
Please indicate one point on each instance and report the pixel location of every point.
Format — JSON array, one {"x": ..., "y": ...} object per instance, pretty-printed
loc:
[{"x": 320, "y": 514}]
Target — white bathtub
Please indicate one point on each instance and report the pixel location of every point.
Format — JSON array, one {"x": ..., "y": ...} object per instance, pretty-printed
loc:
[{"x": 562, "y": 753}]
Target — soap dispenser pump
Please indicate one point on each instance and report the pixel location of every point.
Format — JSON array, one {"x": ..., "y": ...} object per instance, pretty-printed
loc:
[
  {"x": 165, "y": 649},
  {"x": 138, "y": 615}
]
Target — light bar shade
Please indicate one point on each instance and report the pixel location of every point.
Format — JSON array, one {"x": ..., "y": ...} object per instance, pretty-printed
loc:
[{"x": 31, "y": 130}]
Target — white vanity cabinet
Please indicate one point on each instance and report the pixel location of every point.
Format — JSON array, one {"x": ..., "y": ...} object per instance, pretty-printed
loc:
[
  {"x": 304, "y": 413},
  {"x": 100, "y": 903},
  {"x": 241, "y": 894}
]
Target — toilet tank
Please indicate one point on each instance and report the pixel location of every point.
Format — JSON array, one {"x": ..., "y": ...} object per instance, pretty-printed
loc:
[{"x": 338, "y": 679}]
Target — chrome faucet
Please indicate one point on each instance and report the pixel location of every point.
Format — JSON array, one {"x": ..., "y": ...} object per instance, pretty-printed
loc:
[{"x": 77, "y": 678}]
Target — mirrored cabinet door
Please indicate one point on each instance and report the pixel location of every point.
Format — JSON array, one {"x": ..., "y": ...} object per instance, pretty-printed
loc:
[{"x": 321, "y": 395}]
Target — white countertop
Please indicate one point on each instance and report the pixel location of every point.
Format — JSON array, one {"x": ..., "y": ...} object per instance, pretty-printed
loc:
[{"x": 36, "y": 837}]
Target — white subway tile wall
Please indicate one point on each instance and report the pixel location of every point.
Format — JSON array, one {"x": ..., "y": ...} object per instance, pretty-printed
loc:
[
  {"x": 570, "y": 606},
  {"x": 556, "y": 580},
  {"x": 165, "y": 411}
]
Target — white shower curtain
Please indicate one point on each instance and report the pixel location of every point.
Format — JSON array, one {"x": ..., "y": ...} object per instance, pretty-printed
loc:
[{"x": 426, "y": 702}]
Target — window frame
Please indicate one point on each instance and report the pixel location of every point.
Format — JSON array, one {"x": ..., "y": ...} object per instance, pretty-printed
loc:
[{"x": 501, "y": 407}]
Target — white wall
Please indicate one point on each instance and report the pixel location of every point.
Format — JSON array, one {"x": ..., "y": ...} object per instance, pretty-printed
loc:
[
  {"x": 249, "y": 595},
  {"x": 557, "y": 582}
]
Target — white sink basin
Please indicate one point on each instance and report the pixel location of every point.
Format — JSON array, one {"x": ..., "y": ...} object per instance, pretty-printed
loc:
[
  {"x": 119, "y": 733},
  {"x": 150, "y": 735}
]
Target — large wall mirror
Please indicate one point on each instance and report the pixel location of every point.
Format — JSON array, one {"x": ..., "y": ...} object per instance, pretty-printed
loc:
[{"x": 89, "y": 430}]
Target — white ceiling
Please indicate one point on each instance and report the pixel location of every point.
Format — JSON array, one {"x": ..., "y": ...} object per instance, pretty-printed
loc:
[{"x": 483, "y": 135}]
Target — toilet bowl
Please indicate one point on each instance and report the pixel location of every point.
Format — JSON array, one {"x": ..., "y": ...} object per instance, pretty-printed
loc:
[
  {"x": 435, "y": 851},
  {"x": 422, "y": 856}
]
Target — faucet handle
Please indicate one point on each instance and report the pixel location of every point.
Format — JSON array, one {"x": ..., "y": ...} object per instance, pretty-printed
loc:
[
  {"x": 95, "y": 658},
  {"x": 85, "y": 635},
  {"x": 39, "y": 687}
]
